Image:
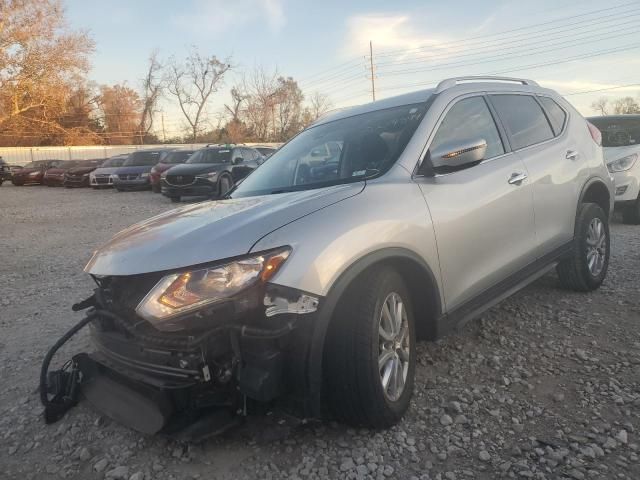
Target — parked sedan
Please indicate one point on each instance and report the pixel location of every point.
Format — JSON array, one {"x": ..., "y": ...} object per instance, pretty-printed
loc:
[
  {"x": 210, "y": 172},
  {"x": 54, "y": 177},
  {"x": 33, "y": 172},
  {"x": 171, "y": 159},
  {"x": 621, "y": 145},
  {"x": 134, "y": 173},
  {"x": 78, "y": 176},
  {"x": 103, "y": 175}
]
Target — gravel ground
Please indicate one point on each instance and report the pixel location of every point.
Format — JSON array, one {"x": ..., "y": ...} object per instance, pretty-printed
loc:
[{"x": 545, "y": 385}]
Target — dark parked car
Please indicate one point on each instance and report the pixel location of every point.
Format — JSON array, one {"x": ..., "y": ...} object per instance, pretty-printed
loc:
[
  {"x": 33, "y": 172},
  {"x": 54, "y": 176},
  {"x": 210, "y": 172},
  {"x": 78, "y": 175},
  {"x": 134, "y": 173},
  {"x": 5, "y": 171},
  {"x": 171, "y": 159}
]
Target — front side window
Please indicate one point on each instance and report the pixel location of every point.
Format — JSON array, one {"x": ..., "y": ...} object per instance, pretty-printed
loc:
[
  {"x": 469, "y": 120},
  {"x": 618, "y": 132},
  {"x": 523, "y": 117},
  {"x": 370, "y": 144},
  {"x": 557, "y": 116},
  {"x": 176, "y": 157}
]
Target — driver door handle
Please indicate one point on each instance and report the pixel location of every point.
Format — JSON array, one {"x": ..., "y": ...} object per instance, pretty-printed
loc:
[
  {"x": 572, "y": 155},
  {"x": 517, "y": 178}
]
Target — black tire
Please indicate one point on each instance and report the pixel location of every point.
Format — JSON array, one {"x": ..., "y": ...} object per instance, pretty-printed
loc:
[
  {"x": 155, "y": 187},
  {"x": 574, "y": 271},
  {"x": 175, "y": 199},
  {"x": 352, "y": 375},
  {"x": 631, "y": 213},
  {"x": 224, "y": 185}
]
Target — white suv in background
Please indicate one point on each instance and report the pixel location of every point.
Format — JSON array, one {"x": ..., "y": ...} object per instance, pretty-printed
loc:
[{"x": 621, "y": 145}]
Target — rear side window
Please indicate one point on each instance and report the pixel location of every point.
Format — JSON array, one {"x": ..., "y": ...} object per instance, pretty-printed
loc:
[
  {"x": 557, "y": 116},
  {"x": 469, "y": 119},
  {"x": 523, "y": 117}
]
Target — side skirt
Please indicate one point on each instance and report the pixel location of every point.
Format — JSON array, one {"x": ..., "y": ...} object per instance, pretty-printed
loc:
[{"x": 474, "y": 307}]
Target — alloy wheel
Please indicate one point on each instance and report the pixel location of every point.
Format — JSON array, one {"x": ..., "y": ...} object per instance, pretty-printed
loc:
[
  {"x": 394, "y": 346},
  {"x": 596, "y": 246}
]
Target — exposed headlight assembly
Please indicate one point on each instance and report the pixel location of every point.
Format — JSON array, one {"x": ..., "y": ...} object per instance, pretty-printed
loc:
[
  {"x": 622, "y": 164},
  {"x": 185, "y": 292}
]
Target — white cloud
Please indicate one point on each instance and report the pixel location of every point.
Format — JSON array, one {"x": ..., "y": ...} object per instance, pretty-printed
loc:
[
  {"x": 387, "y": 32},
  {"x": 213, "y": 17}
]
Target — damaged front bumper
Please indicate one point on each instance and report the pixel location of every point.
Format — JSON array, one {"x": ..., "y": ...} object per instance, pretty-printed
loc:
[{"x": 199, "y": 379}]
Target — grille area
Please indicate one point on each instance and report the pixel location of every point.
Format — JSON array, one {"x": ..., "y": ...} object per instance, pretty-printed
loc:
[
  {"x": 128, "y": 176},
  {"x": 180, "y": 179}
]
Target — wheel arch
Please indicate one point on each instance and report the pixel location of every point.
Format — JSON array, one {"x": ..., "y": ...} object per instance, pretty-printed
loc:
[
  {"x": 596, "y": 191},
  {"x": 419, "y": 278}
]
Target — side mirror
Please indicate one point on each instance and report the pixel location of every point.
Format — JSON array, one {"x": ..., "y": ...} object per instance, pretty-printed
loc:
[
  {"x": 237, "y": 160},
  {"x": 458, "y": 154}
]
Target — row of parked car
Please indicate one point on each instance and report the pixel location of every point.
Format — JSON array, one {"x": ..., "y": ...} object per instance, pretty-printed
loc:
[{"x": 208, "y": 172}]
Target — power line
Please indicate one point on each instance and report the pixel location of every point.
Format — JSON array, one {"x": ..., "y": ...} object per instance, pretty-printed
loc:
[
  {"x": 527, "y": 67},
  {"x": 581, "y": 92},
  {"x": 509, "y": 43},
  {"x": 526, "y": 27},
  {"x": 513, "y": 55}
]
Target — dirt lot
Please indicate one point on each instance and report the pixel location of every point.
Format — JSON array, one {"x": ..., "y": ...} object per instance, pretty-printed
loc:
[{"x": 546, "y": 385}]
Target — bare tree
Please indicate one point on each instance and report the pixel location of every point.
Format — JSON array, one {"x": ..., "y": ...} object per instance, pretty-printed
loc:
[
  {"x": 238, "y": 97},
  {"x": 121, "y": 108},
  {"x": 41, "y": 62},
  {"x": 626, "y": 105},
  {"x": 193, "y": 82},
  {"x": 151, "y": 92},
  {"x": 601, "y": 105}
]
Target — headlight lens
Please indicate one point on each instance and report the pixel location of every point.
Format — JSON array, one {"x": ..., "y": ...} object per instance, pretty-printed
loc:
[
  {"x": 622, "y": 164},
  {"x": 144, "y": 175},
  {"x": 184, "y": 292},
  {"x": 34, "y": 174},
  {"x": 208, "y": 176}
]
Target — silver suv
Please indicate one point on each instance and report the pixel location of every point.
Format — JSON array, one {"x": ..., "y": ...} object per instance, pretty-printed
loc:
[{"x": 375, "y": 227}]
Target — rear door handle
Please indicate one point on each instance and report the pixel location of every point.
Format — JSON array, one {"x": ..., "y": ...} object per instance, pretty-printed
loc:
[
  {"x": 572, "y": 155},
  {"x": 517, "y": 178}
]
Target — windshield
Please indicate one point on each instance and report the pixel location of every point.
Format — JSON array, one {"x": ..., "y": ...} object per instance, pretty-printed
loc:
[
  {"x": 176, "y": 157},
  {"x": 139, "y": 159},
  {"x": 346, "y": 150},
  {"x": 114, "y": 162},
  {"x": 211, "y": 155},
  {"x": 34, "y": 165},
  {"x": 618, "y": 132}
]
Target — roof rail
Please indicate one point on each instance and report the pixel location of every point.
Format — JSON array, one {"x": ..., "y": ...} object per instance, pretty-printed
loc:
[{"x": 452, "y": 82}]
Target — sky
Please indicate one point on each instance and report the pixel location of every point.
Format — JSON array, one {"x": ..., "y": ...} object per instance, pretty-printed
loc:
[{"x": 574, "y": 47}]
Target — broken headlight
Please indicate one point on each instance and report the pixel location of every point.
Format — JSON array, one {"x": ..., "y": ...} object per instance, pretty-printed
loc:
[{"x": 184, "y": 292}]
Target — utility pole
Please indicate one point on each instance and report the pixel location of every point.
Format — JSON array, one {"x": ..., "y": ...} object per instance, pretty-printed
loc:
[
  {"x": 164, "y": 133},
  {"x": 373, "y": 81}
]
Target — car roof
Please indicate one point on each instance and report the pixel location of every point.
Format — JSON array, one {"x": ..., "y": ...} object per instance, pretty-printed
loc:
[{"x": 456, "y": 85}]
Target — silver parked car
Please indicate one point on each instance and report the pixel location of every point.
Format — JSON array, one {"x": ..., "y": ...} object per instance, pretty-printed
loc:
[
  {"x": 313, "y": 281},
  {"x": 621, "y": 145}
]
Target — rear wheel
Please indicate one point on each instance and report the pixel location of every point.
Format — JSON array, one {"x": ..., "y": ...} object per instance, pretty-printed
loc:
[
  {"x": 631, "y": 213},
  {"x": 586, "y": 267},
  {"x": 370, "y": 351}
]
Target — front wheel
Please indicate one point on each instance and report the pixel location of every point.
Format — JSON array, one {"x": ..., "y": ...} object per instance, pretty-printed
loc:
[
  {"x": 585, "y": 269},
  {"x": 224, "y": 185},
  {"x": 155, "y": 187},
  {"x": 175, "y": 199},
  {"x": 370, "y": 353}
]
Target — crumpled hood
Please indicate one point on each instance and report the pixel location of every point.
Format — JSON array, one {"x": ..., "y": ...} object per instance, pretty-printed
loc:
[
  {"x": 134, "y": 169},
  {"x": 208, "y": 231},
  {"x": 615, "y": 153}
]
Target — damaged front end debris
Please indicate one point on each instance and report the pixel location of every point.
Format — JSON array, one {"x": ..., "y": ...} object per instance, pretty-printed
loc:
[{"x": 190, "y": 375}]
